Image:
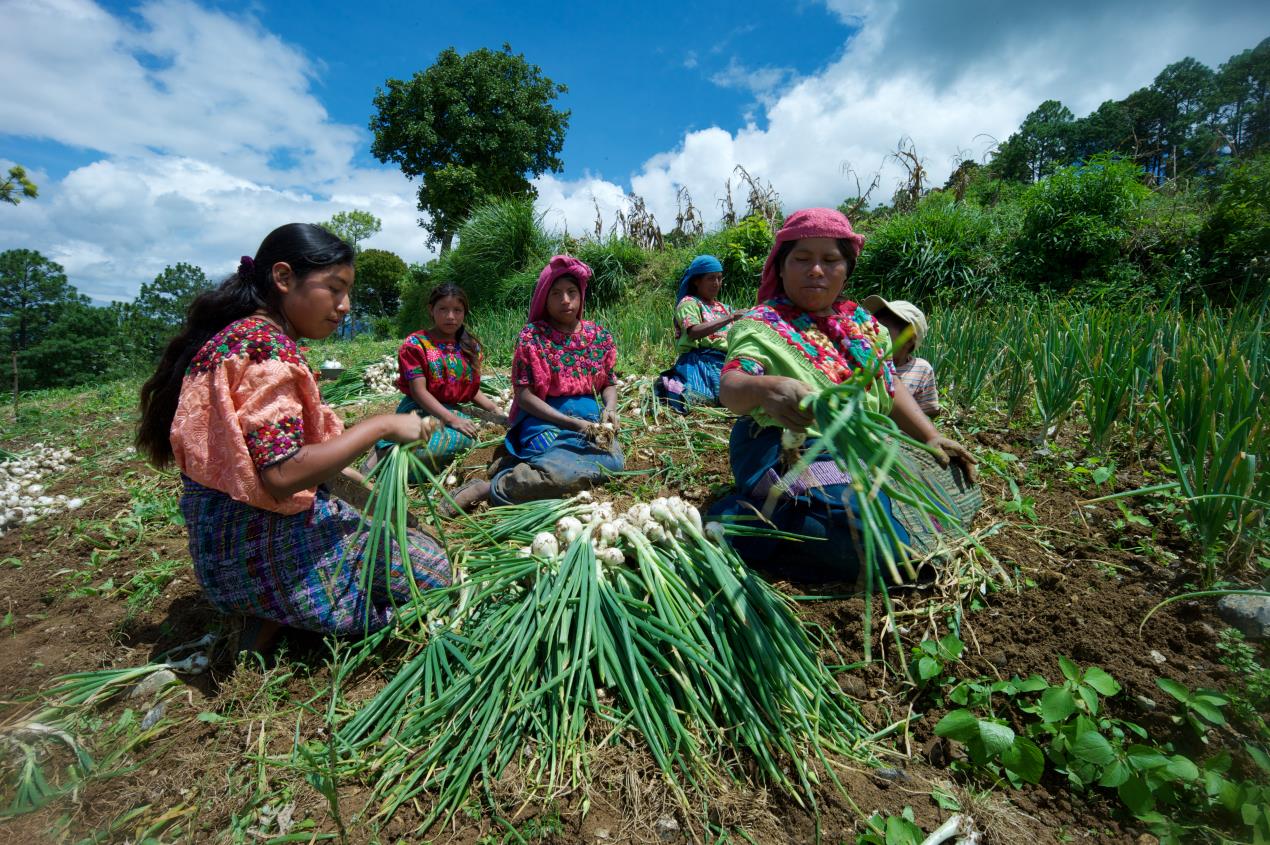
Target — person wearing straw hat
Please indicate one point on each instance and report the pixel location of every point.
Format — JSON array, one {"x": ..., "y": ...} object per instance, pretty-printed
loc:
[
  {"x": 907, "y": 325},
  {"x": 803, "y": 336}
]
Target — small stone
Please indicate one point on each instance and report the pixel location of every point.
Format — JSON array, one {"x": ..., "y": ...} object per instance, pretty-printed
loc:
[
  {"x": 602, "y": 834},
  {"x": 1249, "y": 614},
  {"x": 1147, "y": 839},
  {"x": 153, "y": 683},
  {"x": 153, "y": 715},
  {"x": 667, "y": 829},
  {"x": 1158, "y": 658},
  {"x": 997, "y": 658},
  {"x": 854, "y": 687},
  {"x": 1146, "y": 705}
]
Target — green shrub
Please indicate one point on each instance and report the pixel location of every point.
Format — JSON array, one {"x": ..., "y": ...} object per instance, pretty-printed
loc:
[
  {"x": 743, "y": 249},
  {"x": 939, "y": 253},
  {"x": 413, "y": 313},
  {"x": 1077, "y": 223},
  {"x": 1235, "y": 239},
  {"x": 499, "y": 240}
]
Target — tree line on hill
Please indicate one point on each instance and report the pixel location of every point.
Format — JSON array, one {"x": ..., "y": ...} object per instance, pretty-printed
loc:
[{"x": 1162, "y": 196}]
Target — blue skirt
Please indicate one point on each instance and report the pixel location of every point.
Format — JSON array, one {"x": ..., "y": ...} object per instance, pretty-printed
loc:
[
  {"x": 304, "y": 570},
  {"x": 442, "y": 447},
  {"x": 569, "y": 460},
  {"x": 694, "y": 380},
  {"x": 820, "y": 505}
]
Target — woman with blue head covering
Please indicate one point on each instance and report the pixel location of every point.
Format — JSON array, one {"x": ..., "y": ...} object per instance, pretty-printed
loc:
[{"x": 701, "y": 337}]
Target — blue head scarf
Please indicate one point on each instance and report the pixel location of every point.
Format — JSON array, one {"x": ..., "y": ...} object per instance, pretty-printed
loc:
[{"x": 700, "y": 264}]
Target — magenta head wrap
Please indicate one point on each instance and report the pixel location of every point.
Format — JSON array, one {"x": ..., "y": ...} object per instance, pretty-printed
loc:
[
  {"x": 559, "y": 265},
  {"x": 808, "y": 223}
]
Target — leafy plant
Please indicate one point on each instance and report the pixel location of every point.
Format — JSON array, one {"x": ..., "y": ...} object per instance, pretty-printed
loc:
[{"x": 1199, "y": 709}]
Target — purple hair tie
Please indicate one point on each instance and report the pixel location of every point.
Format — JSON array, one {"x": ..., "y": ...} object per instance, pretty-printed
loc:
[{"x": 246, "y": 267}]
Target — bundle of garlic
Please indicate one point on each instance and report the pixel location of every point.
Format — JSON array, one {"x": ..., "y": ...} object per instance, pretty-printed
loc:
[
  {"x": 381, "y": 376},
  {"x": 617, "y": 538},
  {"x": 22, "y": 495},
  {"x": 604, "y": 626}
]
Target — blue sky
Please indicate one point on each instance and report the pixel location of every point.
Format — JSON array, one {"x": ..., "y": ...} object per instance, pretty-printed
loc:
[{"x": 184, "y": 130}]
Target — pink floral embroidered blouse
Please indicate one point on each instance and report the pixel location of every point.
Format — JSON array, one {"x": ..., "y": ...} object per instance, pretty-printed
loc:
[
  {"x": 552, "y": 363},
  {"x": 448, "y": 375},
  {"x": 248, "y": 401}
]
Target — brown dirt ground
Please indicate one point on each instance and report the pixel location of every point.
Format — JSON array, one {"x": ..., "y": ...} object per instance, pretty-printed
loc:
[{"x": 1088, "y": 598}]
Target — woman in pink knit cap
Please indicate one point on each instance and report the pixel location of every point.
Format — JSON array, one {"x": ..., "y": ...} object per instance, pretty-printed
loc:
[
  {"x": 561, "y": 438},
  {"x": 805, "y": 336}
]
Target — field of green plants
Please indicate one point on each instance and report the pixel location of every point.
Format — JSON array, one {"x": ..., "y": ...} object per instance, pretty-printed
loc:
[
  {"x": 1120, "y": 455},
  {"x": 609, "y": 671}
]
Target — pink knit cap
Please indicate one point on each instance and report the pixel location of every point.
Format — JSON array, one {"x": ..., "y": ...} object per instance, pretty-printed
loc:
[
  {"x": 559, "y": 265},
  {"x": 808, "y": 223}
]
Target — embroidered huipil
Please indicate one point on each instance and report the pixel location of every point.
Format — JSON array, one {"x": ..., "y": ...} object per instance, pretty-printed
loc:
[
  {"x": 778, "y": 338},
  {"x": 692, "y": 310},
  {"x": 448, "y": 375},
  {"x": 552, "y": 363},
  {"x": 248, "y": 401}
]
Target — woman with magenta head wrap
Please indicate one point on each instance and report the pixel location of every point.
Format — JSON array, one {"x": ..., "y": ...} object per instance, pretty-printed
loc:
[
  {"x": 560, "y": 440},
  {"x": 805, "y": 336},
  {"x": 701, "y": 337}
]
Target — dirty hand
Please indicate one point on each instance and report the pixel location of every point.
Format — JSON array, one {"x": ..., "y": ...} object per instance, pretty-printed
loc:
[
  {"x": 948, "y": 449},
  {"x": 782, "y": 402}
]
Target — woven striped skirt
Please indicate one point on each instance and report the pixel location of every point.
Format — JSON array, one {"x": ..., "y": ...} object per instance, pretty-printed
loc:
[{"x": 305, "y": 570}]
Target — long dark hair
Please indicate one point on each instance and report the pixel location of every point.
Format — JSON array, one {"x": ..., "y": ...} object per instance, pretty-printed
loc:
[
  {"x": 846, "y": 247},
  {"x": 469, "y": 343},
  {"x": 303, "y": 246}
]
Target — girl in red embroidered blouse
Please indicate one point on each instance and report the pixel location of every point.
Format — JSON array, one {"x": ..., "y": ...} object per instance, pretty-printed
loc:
[
  {"x": 562, "y": 369},
  {"x": 236, "y": 407},
  {"x": 439, "y": 369}
]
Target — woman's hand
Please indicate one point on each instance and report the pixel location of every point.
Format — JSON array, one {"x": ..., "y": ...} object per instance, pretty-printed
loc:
[
  {"x": 610, "y": 416},
  {"x": 781, "y": 399},
  {"x": 462, "y": 425},
  {"x": 948, "y": 449},
  {"x": 407, "y": 428}
]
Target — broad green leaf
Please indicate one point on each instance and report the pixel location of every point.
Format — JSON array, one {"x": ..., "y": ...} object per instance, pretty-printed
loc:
[
  {"x": 1173, "y": 688},
  {"x": 960, "y": 725},
  {"x": 1090, "y": 698},
  {"x": 901, "y": 831},
  {"x": 927, "y": 668},
  {"x": 1145, "y": 757},
  {"x": 1208, "y": 711},
  {"x": 1101, "y": 474},
  {"x": 1025, "y": 759},
  {"x": 1182, "y": 768},
  {"x": 1092, "y": 747},
  {"x": 996, "y": 737},
  {"x": 1033, "y": 684},
  {"x": 1101, "y": 681},
  {"x": 1114, "y": 775},
  {"x": 1070, "y": 670},
  {"x": 1258, "y": 756},
  {"x": 1136, "y": 795},
  {"x": 1057, "y": 704},
  {"x": 210, "y": 717},
  {"x": 952, "y": 645}
]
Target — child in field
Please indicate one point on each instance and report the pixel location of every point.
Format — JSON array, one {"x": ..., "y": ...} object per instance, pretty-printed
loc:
[
  {"x": 904, "y": 319},
  {"x": 561, "y": 440},
  {"x": 439, "y": 369},
  {"x": 701, "y": 336},
  {"x": 236, "y": 407}
]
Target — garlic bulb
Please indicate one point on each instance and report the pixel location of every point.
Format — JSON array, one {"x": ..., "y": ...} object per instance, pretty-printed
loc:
[{"x": 545, "y": 546}]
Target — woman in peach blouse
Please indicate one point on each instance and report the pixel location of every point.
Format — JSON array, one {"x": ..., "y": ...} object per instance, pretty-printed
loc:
[{"x": 235, "y": 406}]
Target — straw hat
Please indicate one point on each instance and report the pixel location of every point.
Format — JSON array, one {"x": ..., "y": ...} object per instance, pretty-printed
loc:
[{"x": 905, "y": 310}]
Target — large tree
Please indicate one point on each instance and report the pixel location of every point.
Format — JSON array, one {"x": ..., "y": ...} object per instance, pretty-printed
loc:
[
  {"x": 473, "y": 127},
  {"x": 32, "y": 289},
  {"x": 352, "y": 227},
  {"x": 1041, "y": 144},
  {"x": 1242, "y": 91},
  {"x": 79, "y": 347},
  {"x": 160, "y": 306},
  {"x": 380, "y": 276}
]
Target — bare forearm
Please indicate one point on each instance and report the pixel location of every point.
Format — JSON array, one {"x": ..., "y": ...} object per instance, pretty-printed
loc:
[
  {"x": 700, "y": 330},
  {"x": 531, "y": 404},
  {"x": 482, "y": 401},
  {"x": 424, "y": 399},
  {"x": 741, "y": 393},
  {"x": 609, "y": 395},
  {"x": 909, "y": 417},
  {"x": 318, "y": 462}
]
